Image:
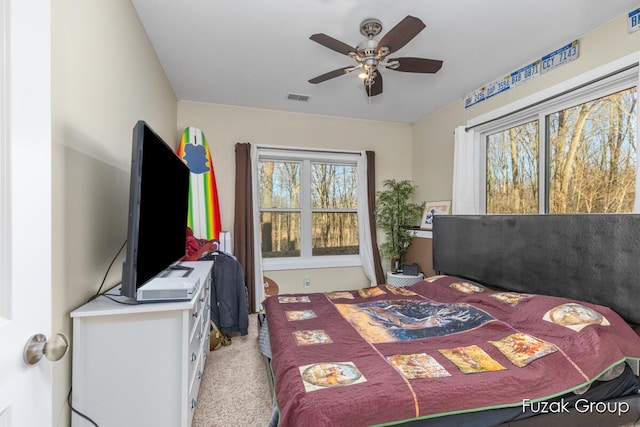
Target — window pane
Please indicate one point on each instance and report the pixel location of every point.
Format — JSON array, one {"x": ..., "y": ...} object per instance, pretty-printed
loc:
[
  {"x": 592, "y": 164},
  {"x": 279, "y": 184},
  {"x": 280, "y": 234},
  {"x": 512, "y": 170},
  {"x": 333, "y": 186},
  {"x": 335, "y": 233}
]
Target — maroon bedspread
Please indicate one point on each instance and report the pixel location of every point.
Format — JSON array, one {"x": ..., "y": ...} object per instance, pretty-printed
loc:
[{"x": 443, "y": 346}]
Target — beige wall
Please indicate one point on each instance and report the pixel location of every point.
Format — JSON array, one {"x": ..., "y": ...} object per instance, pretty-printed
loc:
[
  {"x": 225, "y": 126},
  {"x": 105, "y": 76},
  {"x": 433, "y": 153},
  {"x": 433, "y": 135}
]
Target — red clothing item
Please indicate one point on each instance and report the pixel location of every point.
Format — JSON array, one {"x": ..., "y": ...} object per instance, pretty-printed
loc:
[{"x": 193, "y": 244}]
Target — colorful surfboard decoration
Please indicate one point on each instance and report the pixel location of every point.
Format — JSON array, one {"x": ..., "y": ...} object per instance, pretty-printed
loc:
[{"x": 204, "y": 209}]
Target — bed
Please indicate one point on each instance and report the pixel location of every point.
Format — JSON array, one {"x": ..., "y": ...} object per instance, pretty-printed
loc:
[{"x": 529, "y": 317}]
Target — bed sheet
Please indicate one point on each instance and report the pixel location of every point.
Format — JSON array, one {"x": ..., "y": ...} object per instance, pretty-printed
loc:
[{"x": 384, "y": 355}]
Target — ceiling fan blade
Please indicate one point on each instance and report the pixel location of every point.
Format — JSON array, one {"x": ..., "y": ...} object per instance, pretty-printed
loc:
[
  {"x": 402, "y": 33},
  {"x": 376, "y": 87},
  {"x": 332, "y": 43},
  {"x": 330, "y": 75},
  {"x": 417, "y": 65}
]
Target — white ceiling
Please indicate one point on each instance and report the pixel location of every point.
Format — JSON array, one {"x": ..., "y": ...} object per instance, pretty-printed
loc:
[{"x": 253, "y": 53}]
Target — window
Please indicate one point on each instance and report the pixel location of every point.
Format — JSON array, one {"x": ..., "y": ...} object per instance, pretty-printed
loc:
[
  {"x": 512, "y": 170},
  {"x": 573, "y": 154},
  {"x": 280, "y": 209},
  {"x": 308, "y": 209},
  {"x": 592, "y": 155}
]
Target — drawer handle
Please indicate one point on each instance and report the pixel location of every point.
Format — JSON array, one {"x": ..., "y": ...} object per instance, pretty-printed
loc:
[
  {"x": 201, "y": 299},
  {"x": 193, "y": 403},
  {"x": 195, "y": 314},
  {"x": 193, "y": 357},
  {"x": 199, "y": 375},
  {"x": 199, "y": 335}
]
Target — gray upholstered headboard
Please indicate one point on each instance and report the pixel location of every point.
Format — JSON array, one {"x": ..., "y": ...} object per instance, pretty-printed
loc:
[{"x": 593, "y": 258}]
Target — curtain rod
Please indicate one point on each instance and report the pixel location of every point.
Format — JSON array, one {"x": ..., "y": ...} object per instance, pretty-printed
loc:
[
  {"x": 549, "y": 98},
  {"x": 314, "y": 150}
]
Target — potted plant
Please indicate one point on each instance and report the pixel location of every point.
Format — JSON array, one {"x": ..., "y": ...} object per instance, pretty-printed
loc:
[{"x": 395, "y": 214}]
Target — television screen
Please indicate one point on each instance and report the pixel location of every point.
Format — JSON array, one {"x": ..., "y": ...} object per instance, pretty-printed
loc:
[{"x": 158, "y": 208}]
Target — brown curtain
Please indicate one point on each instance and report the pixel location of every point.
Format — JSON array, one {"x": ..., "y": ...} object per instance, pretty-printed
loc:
[
  {"x": 371, "y": 193},
  {"x": 243, "y": 248}
]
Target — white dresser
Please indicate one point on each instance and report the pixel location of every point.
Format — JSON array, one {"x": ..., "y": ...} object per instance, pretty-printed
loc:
[{"x": 141, "y": 365}]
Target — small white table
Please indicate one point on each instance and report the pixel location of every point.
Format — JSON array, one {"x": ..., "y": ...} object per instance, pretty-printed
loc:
[{"x": 400, "y": 279}]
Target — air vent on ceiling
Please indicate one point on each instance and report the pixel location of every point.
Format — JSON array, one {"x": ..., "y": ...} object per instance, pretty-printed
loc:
[{"x": 297, "y": 97}]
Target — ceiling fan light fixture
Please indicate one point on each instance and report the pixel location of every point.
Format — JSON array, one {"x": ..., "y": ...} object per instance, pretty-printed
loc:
[{"x": 371, "y": 55}]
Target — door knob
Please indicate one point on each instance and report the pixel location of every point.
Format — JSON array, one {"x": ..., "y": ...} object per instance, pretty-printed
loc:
[{"x": 38, "y": 345}]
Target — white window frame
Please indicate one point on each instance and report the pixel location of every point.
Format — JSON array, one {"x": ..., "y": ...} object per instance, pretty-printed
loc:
[
  {"x": 501, "y": 119},
  {"x": 306, "y": 157}
]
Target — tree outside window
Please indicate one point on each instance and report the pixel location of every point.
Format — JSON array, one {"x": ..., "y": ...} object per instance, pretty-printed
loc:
[
  {"x": 308, "y": 208},
  {"x": 334, "y": 203},
  {"x": 590, "y": 166},
  {"x": 280, "y": 208},
  {"x": 512, "y": 170}
]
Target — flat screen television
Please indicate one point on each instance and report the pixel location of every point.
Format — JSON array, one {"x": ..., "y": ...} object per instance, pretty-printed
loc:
[{"x": 158, "y": 209}]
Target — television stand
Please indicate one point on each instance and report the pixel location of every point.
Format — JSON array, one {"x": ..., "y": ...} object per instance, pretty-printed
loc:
[{"x": 141, "y": 364}]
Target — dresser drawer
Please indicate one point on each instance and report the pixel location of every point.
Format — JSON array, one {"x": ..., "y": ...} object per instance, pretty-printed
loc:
[
  {"x": 194, "y": 386},
  {"x": 195, "y": 345},
  {"x": 195, "y": 313}
]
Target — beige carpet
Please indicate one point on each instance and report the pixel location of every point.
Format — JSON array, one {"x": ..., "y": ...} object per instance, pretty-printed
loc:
[{"x": 235, "y": 386}]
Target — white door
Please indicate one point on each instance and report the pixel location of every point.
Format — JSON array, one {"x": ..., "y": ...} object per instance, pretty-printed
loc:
[{"x": 25, "y": 209}]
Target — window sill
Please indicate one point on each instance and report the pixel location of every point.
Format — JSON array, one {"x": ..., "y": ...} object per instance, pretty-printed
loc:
[
  {"x": 420, "y": 232},
  {"x": 270, "y": 264}
]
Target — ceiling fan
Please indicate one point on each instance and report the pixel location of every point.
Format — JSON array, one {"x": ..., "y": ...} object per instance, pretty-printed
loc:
[{"x": 371, "y": 55}]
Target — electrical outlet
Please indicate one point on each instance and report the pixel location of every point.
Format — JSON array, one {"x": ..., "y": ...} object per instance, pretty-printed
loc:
[{"x": 307, "y": 282}]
